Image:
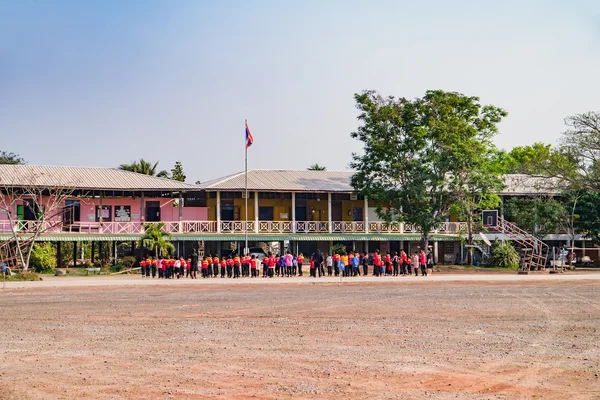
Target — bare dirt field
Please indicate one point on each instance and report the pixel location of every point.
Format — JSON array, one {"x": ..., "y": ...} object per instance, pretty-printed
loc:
[{"x": 359, "y": 340}]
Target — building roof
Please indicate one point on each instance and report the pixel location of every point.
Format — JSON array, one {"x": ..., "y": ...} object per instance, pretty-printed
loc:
[
  {"x": 85, "y": 178},
  {"x": 284, "y": 180},
  {"x": 339, "y": 181}
]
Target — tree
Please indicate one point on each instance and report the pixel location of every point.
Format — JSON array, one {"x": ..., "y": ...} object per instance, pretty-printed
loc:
[
  {"x": 504, "y": 255},
  {"x": 416, "y": 153},
  {"x": 42, "y": 201},
  {"x": 538, "y": 216},
  {"x": 156, "y": 239},
  {"x": 144, "y": 167},
  {"x": 177, "y": 172},
  {"x": 587, "y": 213},
  {"x": 197, "y": 183},
  {"x": 316, "y": 167},
  {"x": 10, "y": 158},
  {"x": 528, "y": 160}
]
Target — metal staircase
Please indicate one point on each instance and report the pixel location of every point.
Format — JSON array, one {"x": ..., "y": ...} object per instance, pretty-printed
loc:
[{"x": 533, "y": 250}]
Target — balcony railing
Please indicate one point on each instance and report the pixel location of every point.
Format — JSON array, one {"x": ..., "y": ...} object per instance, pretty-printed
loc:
[{"x": 195, "y": 227}]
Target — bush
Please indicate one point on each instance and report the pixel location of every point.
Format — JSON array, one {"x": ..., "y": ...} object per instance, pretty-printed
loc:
[
  {"x": 43, "y": 258},
  {"x": 504, "y": 255},
  {"x": 128, "y": 262},
  {"x": 24, "y": 276}
]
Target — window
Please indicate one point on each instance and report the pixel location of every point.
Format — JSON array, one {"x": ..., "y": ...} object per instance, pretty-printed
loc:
[
  {"x": 311, "y": 196},
  {"x": 122, "y": 214},
  {"x": 274, "y": 195},
  {"x": 357, "y": 212},
  {"x": 106, "y": 213},
  {"x": 265, "y": 213},
  {"x": 196, "y": 199}
]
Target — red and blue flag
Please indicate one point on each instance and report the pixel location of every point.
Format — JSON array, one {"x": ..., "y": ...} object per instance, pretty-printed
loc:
[{"x": 249, "y": 137}]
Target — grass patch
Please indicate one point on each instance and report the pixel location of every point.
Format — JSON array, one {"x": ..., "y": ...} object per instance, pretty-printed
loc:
[{"x": 23, "y": 276}]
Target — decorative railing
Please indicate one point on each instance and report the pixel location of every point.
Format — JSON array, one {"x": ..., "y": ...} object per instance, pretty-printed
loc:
[{"x": 197, "y": 227}]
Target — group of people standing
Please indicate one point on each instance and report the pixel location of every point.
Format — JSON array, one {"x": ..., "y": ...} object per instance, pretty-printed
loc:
[{"x": 288, "y": 265}]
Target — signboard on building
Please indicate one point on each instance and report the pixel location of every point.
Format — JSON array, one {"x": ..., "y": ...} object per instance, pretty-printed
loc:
[{"x": 122, "y": 213}]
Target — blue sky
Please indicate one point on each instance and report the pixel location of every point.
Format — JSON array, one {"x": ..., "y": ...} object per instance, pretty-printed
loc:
[{"x": 101, "y": 83}]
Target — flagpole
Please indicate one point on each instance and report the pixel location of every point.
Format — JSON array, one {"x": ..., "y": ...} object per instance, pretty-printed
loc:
[{"x": 246, "y": 191}]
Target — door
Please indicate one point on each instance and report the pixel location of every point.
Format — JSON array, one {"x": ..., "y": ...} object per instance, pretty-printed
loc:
[
  {"x": 301, "y": 213},
  {"x": 152, "y": 211},
  {"x": 227, "y": 210},
  {"x": 30, "y": 211},
  {"x": 358, "y": 214},
  {"x": 336, "y": 210},
  {"x": 72, "y": 212},
  {"x": 265, "y": 213}
]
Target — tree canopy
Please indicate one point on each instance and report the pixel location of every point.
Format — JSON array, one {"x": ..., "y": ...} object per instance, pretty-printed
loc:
[
  {"x": 177, "y": 172},
  {"x": 316, "y": 167},
  {"x": 418, "y": 154},
  {"x": 145, "y": 167},
  {"x": 156, "y": 240},
  {"x": 10, "y": 158}
]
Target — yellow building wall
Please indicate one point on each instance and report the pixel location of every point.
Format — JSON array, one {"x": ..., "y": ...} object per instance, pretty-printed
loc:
[{"x": 348, "y": 207}]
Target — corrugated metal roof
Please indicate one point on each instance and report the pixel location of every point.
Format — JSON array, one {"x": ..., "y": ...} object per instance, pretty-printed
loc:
[
  {"x": 339, "y": 181},
  {"x": 85, "y": 178},
  {"x": 285, "y": 180}
]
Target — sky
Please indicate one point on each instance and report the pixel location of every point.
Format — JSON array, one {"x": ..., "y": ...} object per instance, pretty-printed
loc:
[{"x": 100, "y": 83}]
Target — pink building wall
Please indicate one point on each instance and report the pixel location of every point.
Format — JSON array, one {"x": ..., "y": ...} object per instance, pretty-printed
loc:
[{"x": 168, "y": 213}]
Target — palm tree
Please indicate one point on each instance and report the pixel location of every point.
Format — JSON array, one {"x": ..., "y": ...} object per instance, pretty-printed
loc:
[
  {"x": 155, "y": 239},
  {"x": 316, "y": 167},
  {"x": 144, "y": 167}
]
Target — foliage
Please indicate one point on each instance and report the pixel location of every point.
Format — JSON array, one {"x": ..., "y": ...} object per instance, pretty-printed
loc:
[
  {"x": 43, "y": 257},
  {"x": 338, "y": 248},
  {"x": 538, "y": 216},
  {"x": 128, "y": 262},
  {"x": 10, "y": 158},
  {"x": 416, "y": 153},
  {"x": 316, "y": 167},
  {"x": 197, "y": 183},
  {"x": 24, "y": 276},
  {"x": 144, "y": 167},
  {"x": 155, "y": 239},
  {"x": 177, "y": 172},
  {"x": 587, "y": 213},
  {"x": 504, "y": 255},
  {"x": 528, "y": 160}
]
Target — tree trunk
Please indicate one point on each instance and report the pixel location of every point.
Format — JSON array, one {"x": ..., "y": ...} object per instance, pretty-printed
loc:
[
  {"x": 425, "y": 242},
  {"x": 470, "y": 241}
]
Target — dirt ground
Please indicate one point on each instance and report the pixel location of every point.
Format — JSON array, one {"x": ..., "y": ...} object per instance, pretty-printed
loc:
[{"x": 359, "y": 340}]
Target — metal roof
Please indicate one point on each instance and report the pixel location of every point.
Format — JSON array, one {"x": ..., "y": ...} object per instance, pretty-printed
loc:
[
  {"x": 87, "y": 178},
  {"x": 339, "y": 181}
]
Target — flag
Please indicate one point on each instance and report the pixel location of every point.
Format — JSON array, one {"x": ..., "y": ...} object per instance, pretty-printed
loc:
[{"x": 249, "y": 138}]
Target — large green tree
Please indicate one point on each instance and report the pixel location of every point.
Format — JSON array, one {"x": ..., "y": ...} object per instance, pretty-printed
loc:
[
  {"x": 538, "y": 216},
  {"x": 416, "y": 153},
  {"x": 145, "y": 167},
  {"x": 155, "y": 239},
  {"x": 10, "y": 158},
  {"x": 177, "y": 172}
]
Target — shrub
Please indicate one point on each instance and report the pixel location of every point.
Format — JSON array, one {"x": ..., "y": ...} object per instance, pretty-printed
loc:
[
  {"x": 128, "y": 262},
  {"x": 24, "y": 276},
  {"x": 504, "y": 255},
  {"x": 43, "y": 257}
]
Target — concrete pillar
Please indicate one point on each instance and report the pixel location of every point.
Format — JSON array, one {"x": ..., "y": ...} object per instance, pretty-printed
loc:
[
  {"x": 329, "y": 212},
  {"x": 75, "y": 254},
  {"x": 142, "y": 209},
  {"x": 180, "y": 213},
  {"x": 93, "y": 252},
  {"x": 218, "y": 211},
  {"x": 59, "y": 255},
  {"x": 435, "y": 252},
  {"x": 256, "y": 221},
  {"x": 366, "y": 215},
  {"x": 293, "y": 212},
  {"x": 353, "y": 245},
  {"x": 367, "y": 246}
]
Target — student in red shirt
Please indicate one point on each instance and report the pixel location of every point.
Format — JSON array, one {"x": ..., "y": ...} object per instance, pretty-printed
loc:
[
  {"x": 204, "y": 267},
  {"x": 300, "y": 260},
  {"x": 253, "y": 262},
  {"x": 215, "y": 263},
  {"x": 143, "y": 268},
  {"x": 236, "y": 266},
  {"x": 223, "y": 267},
  {"x": 403, "y": 263},
  {"x": 336, "y": 263},
  {"x": 423, "y": 263},
  {"x": 188, "y": 269},
  {"x": 388, "y": 263},
  {"x": 230, "y": 267},
  {"x": 265, "y": 265},
  {"x": 377, "y": 263},
  {"x": 271, "y": 265}
]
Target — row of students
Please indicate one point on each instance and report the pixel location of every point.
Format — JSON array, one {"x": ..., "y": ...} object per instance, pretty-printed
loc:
[{"x": 288, "y": 265}]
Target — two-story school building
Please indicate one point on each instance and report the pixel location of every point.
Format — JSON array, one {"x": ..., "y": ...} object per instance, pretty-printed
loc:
[{"x": 303, "y": 210}]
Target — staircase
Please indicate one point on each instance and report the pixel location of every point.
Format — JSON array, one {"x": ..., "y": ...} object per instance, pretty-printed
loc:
[{"x": 532, "y": 248}]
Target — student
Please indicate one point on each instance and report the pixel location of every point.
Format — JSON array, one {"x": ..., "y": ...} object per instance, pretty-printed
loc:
[
  {"x": 344, "y": 263},
  {"x": 356, "y": 264},
  {"x": 143, "y": 267},
  {"x": 159, "y": 265},
  {"x": 271, "y": 265},
  {"x": 395, "y": 263},
  {"x": 403, "y": 263},
  {"x": 365, "y": 263},
  {"x": 215, "y": 263},
  {"x": 329, "y": 262},
  {"x": 188, "y": 268},
  {"x": 223, "y": 267},
  {"x": 265, "y": 266},
  {"x": 336, "y": 263},
  {"x": 423, "y": 263},
  {"x": 236, "y": 266},
  {"x": 245, "y": 264},
  {"x": 388, "y": 263},
  {"x": 294, "y": 265},
  {"x": 377, "y": 263},
  {"x": 253, "y": 263},
  {"x": 289, "y": 261},
  {"x": 205, "y": 267},
  {"x": 415, "y": 263},
  {"x": 300, "y": 260}
]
